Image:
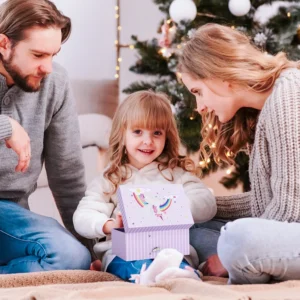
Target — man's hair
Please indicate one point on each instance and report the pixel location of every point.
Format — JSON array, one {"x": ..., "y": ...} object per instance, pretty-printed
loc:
[{"x": 18, "y": 15}]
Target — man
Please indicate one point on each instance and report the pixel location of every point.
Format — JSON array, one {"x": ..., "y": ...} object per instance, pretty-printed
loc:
[{"x": 38, "y": 123}]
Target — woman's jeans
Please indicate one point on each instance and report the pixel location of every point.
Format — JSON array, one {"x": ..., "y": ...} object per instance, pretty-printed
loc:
[
  {"x": 257, "y": 250},
  {"x": 32, "y": 243},
  {"x": 204, "y": 238}
]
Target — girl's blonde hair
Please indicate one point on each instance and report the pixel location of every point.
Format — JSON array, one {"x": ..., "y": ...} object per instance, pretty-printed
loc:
[
  {"x": 217, "y": 51},
  {"x": 148, "y": 110}
]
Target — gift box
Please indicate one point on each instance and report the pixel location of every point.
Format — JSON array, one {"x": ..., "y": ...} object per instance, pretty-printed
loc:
[{"x": 154, "y": 217}]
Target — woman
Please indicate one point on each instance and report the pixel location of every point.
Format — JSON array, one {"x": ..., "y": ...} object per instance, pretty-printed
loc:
[{"x": 251, "y": 99}]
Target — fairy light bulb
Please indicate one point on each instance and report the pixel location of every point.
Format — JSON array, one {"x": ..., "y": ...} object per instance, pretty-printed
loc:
[{"x": 202, "y": 163}]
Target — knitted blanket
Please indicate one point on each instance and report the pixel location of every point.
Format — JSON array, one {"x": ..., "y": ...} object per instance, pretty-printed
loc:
[{"x": 60, "y": 285}]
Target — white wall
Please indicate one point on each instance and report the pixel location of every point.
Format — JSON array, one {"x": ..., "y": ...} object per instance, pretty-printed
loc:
[
  {"x": 89, "y": 53},
  {"x": 141, "y": 18}
]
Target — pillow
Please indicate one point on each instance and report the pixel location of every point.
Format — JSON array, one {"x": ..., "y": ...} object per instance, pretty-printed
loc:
[{"x": 94, "y": 130}]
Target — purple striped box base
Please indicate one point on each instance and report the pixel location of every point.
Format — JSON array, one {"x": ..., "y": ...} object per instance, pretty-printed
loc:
[{"x": 143, "y": 245}]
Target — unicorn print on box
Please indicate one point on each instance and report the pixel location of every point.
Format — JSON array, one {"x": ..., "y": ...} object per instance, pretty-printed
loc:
[
  {"x": 154, "y": 217},
  {"x": 159, "y": 203}
]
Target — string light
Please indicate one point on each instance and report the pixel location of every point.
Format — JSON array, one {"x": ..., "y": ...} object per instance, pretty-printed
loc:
[
  {"x": 208, "y": 160},
  {"x": 228, "y": 154},
  {"x": 202, "y": 163},
  {"x": 232, "y": 27},
  {"x": 213, "y": 145},
  {"x": 288, "y": 14},
  {"x": 229, "y": 170},
  {"x": 118, "y": 45}
]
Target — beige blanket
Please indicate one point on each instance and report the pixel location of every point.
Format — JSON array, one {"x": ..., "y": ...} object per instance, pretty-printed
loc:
[{"x": 62, "y": 285}]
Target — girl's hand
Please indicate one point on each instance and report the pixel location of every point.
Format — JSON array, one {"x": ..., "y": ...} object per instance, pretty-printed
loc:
[{"x": 111, "y": 224}]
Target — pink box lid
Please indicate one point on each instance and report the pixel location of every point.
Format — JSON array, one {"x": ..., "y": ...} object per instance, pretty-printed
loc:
[{"x": 154, "y": 207}]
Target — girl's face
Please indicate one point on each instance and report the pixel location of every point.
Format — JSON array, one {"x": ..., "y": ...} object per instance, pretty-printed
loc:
[
  {"x": 213, "y": 95},
  {"x": 144, "y": 146}
]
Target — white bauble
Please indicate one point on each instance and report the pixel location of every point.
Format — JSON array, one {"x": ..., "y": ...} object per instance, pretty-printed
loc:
[
  {"x": 183, "y": 10},
  {"x": 239, "y": 7}
]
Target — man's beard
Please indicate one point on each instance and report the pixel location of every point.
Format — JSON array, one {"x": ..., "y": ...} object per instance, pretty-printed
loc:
[{"x": 20, "y": 80}]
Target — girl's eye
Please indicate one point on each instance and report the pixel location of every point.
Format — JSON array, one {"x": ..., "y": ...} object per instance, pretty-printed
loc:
[
  {"x": 157, "y": 132},
  {"x": 38, "y": 55},
  {"x": 137, "y": 131}
]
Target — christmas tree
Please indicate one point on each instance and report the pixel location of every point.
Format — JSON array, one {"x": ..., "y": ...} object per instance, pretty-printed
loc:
[{"x": 273, "y": 25}]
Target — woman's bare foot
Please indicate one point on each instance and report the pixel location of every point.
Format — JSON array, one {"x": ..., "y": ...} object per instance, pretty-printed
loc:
[
  {"x": 214, "y": 267},
  {"x": 96, "y": 265}
]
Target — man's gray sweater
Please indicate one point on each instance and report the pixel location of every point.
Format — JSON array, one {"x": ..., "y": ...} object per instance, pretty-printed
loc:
[{"x": 49, "y": 117}]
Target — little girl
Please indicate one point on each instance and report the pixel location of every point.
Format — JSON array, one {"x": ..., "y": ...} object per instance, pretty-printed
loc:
[{"x": 143, "y": 147}]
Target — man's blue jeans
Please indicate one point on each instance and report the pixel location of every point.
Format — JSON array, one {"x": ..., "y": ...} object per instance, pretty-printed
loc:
[{"x": 32, "y": 243}]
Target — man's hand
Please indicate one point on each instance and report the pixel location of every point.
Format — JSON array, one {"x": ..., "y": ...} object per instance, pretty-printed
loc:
[
  {"x": 214, "y": 267},
  {"x": 111, "y": 224},
  {"x": 20, "y": 143}
]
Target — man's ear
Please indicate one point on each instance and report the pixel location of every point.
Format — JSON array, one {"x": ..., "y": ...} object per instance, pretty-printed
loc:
[{"x": 5, "y": 45}]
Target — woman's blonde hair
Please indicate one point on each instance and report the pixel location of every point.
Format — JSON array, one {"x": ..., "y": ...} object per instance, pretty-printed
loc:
[
  {"x": 217, "y": 51},
  {"x": 148, "y": 110}
]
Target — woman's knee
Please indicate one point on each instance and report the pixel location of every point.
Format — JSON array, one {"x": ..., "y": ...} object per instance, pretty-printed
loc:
[{"x": 238, "y": 241}]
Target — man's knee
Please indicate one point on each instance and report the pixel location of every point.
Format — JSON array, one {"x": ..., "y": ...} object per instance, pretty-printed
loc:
[
  {"x": 67, "y": 253},
  {"x": 81, "y": 257}
]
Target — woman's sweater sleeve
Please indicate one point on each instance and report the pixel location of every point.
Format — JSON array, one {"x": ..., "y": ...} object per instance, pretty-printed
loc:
[
  {"x": 283, "y": 136},
  {"x": 234, "y": 207}
]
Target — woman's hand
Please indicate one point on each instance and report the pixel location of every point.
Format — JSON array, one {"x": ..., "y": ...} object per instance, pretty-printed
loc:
[
  {"x": 214, "y": 267},
  {"x": 111, "y": 224}
]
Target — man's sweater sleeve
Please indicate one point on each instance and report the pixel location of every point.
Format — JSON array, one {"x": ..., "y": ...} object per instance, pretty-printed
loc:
[
  {"x": 63, "y": 156},
  {"x": 5, "y": 127}
]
